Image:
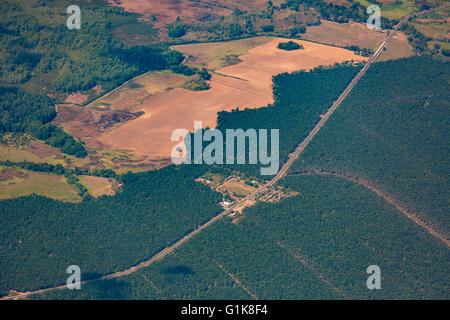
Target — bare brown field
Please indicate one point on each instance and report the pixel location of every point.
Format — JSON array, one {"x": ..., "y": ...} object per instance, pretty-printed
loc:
[
  {"x": 357, "y": 34},
  {"x": 345, "y": 34},
  {"x": 245, "y": 85},
  {"x": 76, "y": 98},
  {"x": 168, "y": 11},
  {"x": 398, "y": 48},
  {"x": 88, "y": 123}
]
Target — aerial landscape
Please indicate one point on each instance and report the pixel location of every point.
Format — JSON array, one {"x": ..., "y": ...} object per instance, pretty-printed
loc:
[{"x": 224, "y": 150}]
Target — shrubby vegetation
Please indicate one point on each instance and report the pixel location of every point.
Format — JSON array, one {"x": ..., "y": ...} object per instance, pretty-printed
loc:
[
  {"x": 27, "y": 113},
  {"x": 270, "y": 20},
  {"x": 336, "y": 12},
  {"x": 392, "y": 131},
  {"x": 365, "y": 52},
  {"x": 328, "y": 10},
  {"x": 316, "y": 245},
  {"x": 289, "y": 46},
  {"x": 417, "y": 39},
  {"x": 198, "y": 83},
  {"x": 177, "y": 31},
  {"x": 40, "y": 237},
  {"x": 60, "y": 169}
]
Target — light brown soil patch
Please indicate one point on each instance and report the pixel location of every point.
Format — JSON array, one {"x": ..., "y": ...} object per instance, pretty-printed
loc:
[
  {"x": 245, "y": 85},
  {"x": 397, "y": 48},
  {"x": 76, "y": 98},
  {"x": 98, "y": 89},
  {"x": 89, "y": 123},
  {"x": 98, "y": 186}
]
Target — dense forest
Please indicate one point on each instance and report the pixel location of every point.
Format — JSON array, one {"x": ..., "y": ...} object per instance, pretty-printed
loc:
[
  {"x": 40, "y": 237},
  {"x": 27, "y": 113},
  {"x": 316, "y": 245},
  {"x": 300, "y": 99},
  {"x": 392, "y": 131}
]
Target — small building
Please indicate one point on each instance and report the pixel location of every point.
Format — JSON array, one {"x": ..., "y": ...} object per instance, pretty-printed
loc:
[{"x": 225, "y": 203}]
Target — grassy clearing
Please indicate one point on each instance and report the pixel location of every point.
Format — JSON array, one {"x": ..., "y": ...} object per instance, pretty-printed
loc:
[
  {"x": 19, "y": 147},
  {"x": 437, "y": 30},
  {"x": 393, "y": 10},
  {"x": 20, "y": 183},
  {"x": 19, "y": 155},
  {"x": 398, "y": 48},
  {"x": 238, "y": 188},
  {"x": 132, "y": 94},
  {"x": 215, "y": 55},
  {"x": 98, "y": 186}
]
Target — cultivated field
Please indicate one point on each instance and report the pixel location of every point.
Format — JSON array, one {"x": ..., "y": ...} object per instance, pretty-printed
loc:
[
  {"x": 244, "y": 85},
  {"x": 357, "y": 34}
]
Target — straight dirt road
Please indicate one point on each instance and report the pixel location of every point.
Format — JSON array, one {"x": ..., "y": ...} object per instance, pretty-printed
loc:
[{"x": 260, "y": 190}]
